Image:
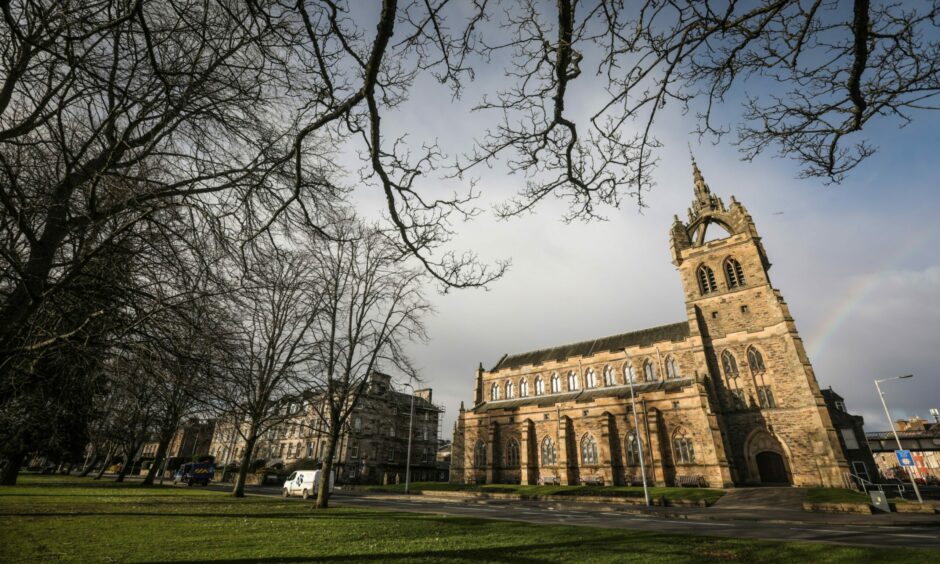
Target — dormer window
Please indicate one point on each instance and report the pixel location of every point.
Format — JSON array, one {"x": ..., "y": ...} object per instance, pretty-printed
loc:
[
  {"x": 706, "y": 280},
  {"x": 734, "y": 274}
]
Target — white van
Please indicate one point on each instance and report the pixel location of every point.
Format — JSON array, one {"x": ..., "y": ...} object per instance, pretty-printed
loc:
[{"x": 304, "y": 483}]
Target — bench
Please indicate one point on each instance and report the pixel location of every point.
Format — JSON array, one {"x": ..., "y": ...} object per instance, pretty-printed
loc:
[
  {"x": 592, "y": 481},
  {"x": 549, "y": 480},
  {"x": 691, "y": 481}
]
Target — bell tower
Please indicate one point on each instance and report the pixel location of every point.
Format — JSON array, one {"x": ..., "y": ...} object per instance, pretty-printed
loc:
[{"x": 777, "y": 428}]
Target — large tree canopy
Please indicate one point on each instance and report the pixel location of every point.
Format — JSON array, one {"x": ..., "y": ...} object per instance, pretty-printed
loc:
[{"x": 231, "y": 111}]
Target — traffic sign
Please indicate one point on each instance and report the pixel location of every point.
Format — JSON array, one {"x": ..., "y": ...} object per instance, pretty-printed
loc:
[{"x": 905, "y": 459}]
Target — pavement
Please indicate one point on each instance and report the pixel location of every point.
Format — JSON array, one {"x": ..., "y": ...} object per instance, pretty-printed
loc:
[{"x": 764, "y": 514}]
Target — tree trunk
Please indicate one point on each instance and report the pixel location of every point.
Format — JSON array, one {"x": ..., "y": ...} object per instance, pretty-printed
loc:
[
  {"x": 91, "y": 464},
  {"x": 239, "y": 489},
  {"x": 326, "y": 467},
  {"x": 11, "y": 469},
  {"x": 104, "y": 465},
  {"x": 158, "y": 459}
]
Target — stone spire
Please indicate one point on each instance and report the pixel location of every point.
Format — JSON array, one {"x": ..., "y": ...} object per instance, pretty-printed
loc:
[
  {"x": 704, "y": 201},
  {"x": 702, "y": 193}
]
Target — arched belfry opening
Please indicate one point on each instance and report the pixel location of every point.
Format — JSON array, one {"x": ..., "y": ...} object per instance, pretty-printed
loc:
[{"x": 709, "y": 219}]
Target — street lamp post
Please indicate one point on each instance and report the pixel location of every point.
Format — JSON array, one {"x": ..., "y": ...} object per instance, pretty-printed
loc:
[
  {"x": 897, "y": 439},
  {"x": 636, "y": 431},
  {"x": 411, "y": 422}
]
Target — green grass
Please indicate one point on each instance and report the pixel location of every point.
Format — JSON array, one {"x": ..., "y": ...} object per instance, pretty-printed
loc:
[
  {"x": 835, "y": 495},
  {"x": 59, "y": 519},
  {"x": 709, "y": 496},
  {"x": 842, "y": 495}
]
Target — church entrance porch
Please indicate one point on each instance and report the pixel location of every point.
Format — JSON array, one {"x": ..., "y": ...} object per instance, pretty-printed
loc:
[
  {"x": 767, "y": 460},
  {"x": 771, "y": 468}
]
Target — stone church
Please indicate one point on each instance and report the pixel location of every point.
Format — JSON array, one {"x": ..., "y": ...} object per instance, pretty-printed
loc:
[{"x": 726, "y": 397}]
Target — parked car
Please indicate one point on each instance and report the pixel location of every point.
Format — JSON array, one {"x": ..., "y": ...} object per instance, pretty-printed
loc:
[
  {"x": 305, "y": 483},
  {"x": 195, "y": 473}
]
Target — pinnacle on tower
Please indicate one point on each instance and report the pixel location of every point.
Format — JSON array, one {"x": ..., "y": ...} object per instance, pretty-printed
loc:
[{"x": 702, "y": 193}]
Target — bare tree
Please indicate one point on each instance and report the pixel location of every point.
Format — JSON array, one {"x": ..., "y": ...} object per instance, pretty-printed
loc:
[
  {"x": 372, "y": 306},
  {"x": 269, "y": 346},
  {"x": 129, "y": 422},
  {"x": 110, "y": 110},
  {"x": 829, "y": 66}
]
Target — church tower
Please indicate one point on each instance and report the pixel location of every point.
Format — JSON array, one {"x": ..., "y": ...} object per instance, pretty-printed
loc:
[{"x": 761, "y": 385}]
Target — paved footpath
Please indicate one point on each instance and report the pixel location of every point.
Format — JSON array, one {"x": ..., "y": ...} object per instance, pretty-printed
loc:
[{"x": 922, "y": 531}]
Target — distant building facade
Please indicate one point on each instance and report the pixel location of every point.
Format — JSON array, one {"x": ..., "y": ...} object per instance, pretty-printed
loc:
[
  {"x": 726, "y": 397},
  {"x": 917, "y": 435},
  {"x": 192, "y": 438},
  {"x": 851, "y": 432},
  {"x": 372, "y": 448}
]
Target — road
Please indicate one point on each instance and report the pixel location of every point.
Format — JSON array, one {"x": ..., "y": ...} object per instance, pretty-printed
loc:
[{"x": 859, "y": 535}]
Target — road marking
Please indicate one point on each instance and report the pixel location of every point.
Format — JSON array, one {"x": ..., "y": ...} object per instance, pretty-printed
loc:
[
  {"x": 841, "y": 532},
  {"x": 912, "y": 536}
]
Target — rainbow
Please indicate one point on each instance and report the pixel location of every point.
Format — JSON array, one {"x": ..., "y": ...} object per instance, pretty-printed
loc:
[{"x": 860, "y": 289}]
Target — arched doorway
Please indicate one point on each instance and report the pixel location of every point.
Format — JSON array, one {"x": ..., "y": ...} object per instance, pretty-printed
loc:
[
  {"x": 767, "y": 459},
  {"x": 771, "y": 468}
]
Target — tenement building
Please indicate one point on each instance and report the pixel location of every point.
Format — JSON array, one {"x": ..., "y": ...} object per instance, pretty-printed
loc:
[
  {"x": 373, "y": 447},
  {"x": 726, "y": 397}
]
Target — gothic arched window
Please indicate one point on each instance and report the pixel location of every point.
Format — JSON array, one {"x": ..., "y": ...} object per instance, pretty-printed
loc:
[
  {"x": 539, "y": 385},
  {"x": 512, "y": 454},
  {"x": 649, "y": 372},
  {"x": 755, "y": 360},
  {"x": 510, "y": 390},
  {"x": 734, "y": 274},
  {"x": 632, "y": 449},
  {"x": 591, "y": 378},
  {"x": 683, "y": 449},
  {"x": 556, "y": 383},
  {"x": 706, "y": 280},
  {"x": 479, "y": 454},
  {"x": 523, "y": 388},
  {"x": 572, "y": 381},
  {"x": 729, "y": 365},
  {"x": 588, "y": 450},
  {"x": 608, "y": 375},
  {"x": 629, "y": 375},
  {"x": 548, "y": 452},
  {"x": 672, "y": 368},
  {"x": 494, "y": 392}
]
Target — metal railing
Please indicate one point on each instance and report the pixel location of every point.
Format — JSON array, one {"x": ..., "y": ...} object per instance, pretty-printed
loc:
[{"x": 867, "y": 485}]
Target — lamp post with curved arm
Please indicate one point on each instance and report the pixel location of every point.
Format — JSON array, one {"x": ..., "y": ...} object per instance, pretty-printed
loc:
[
  {"x": 910, "y": 471},
  {"x": 411, "y": 421},
  {"x": 636, "y": 430}
]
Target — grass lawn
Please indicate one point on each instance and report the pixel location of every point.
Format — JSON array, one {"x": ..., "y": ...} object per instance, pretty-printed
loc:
[
  {"x": 59, "y": 519},
  {"x": 710, "y": 496},
  {"x": 836, "y": 495},
  {"x": 843, "y": 495}
]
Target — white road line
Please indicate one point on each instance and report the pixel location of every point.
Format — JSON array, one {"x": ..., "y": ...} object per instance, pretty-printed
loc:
[{"x": 912, "y": 536}]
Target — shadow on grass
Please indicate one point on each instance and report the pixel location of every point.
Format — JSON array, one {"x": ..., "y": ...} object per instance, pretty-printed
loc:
[
  {"x": 504, "y": 553},
  {"x": 311, "y": 514}
]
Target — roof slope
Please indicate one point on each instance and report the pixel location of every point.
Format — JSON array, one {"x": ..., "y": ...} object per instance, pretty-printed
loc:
[{"x": 642, "y": 338}]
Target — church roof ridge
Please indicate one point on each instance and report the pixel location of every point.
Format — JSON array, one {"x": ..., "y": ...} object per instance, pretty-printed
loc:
[{"x": 619, "y": 341}]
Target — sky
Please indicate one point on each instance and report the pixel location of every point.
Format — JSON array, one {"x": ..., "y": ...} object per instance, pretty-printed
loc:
[{"x": 858, "y": 263}]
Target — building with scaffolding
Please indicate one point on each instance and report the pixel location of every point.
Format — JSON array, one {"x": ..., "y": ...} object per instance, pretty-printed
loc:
[{"x": 372, "y": 448}]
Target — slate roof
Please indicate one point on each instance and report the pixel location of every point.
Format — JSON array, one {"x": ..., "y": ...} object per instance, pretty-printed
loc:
[{"x": 642, "y": 338}]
